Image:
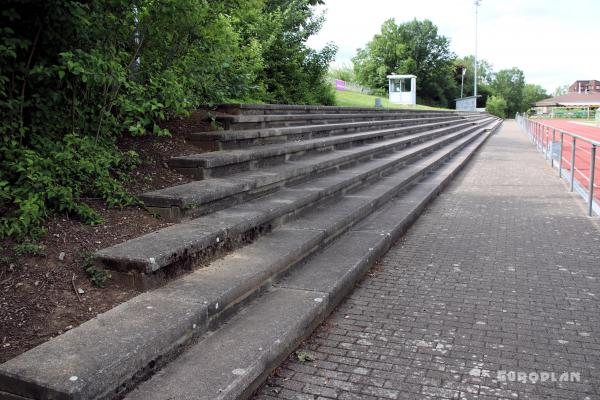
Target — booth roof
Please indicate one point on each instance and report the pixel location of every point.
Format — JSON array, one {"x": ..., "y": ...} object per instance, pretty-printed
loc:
[{"x": 394, "y": 76}]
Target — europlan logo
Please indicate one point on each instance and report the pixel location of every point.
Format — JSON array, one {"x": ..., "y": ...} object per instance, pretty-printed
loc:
[
  {"x": 528, "y": 376},
  {"x": 538, "y": 376}
]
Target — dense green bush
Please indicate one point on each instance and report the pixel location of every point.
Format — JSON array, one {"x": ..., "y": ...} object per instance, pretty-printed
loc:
[
  {"x": 497, "y": 106},
  {"x": 75, "y": 75}
]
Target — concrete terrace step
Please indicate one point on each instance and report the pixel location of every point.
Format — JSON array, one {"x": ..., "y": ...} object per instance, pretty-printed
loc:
[
  {"x": 200, "y": 197},
  {"x": 181, "y": 245},
  {"x": 262, "y": 335},
  {"x": 223, "y": 163},
  {"x": 238, "y": 139},
  {"x": 268, "y": 329},
  {"x": 239, "y": 122},
  {"x": 108, "y": 355},
  {"x": 275, "y": 109}
]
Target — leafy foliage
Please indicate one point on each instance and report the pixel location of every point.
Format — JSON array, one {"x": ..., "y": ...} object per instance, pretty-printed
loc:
[
  {"x": 509, "y": 84},
  {"x": 485, "y": 77},
  {"x": 29, "y": 248},
  {"x": 531, "y": 94},
  {"x": 497, "y": 106},
  {"x": 409, "y": 48},
  {"x": 295, "y": 73},
  {"x": 345, "y": 73},
  {"x": 98, "y": 276},
  {"x": 561, "y": 90},
  {"x": 74, "y": 76}
]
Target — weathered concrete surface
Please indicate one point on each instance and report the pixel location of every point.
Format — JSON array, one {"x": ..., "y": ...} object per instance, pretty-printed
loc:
[
  {"x": 197, "y": 193},
  {"x": 225, "y": 364},
  {"x": 239, "y": 139},
  {"x": 242, "y": 273},
  {"x": 274, "y": 109},
  {"x": 227, "y": 157},
  {"x": 240, "y": 122},
  {"x": 501, "y": 273},
  {"x": 182, "y": 242},
  {"x": 106, "y": 352}
]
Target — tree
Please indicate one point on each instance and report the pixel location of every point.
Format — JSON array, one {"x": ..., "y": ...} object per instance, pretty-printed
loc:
[
  {"x": 294, "y": 72},
  {"x": 409, "y": 48},
  {"x": 509, "y": 84},
  {"x": 531, "y": 94},
  {"x": 561, "y": 90},
  {"x": 497, "y": 106},
  {"x": 485, "y": 75}
]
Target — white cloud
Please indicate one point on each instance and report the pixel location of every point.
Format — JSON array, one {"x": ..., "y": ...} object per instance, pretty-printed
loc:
[{"x": 553, "y": 42}]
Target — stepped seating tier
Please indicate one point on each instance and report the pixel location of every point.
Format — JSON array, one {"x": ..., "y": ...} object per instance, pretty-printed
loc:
[
  {"x": 200, "y": 197},
  {"x": 240, "y": 122},
  {"x": 239, "y": 139},
  {"x": 223, "y": 163},
  {"x": 278, "y": 109},
  {"x": 179, "y": 245},
  {"x": 275, "y": 250}
]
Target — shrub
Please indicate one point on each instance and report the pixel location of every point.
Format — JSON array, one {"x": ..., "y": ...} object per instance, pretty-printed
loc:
[{"x": 497, "y": 106}]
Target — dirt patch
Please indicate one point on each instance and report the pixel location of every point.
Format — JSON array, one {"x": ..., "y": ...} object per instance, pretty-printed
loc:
[{"x": 43, "y": 295}]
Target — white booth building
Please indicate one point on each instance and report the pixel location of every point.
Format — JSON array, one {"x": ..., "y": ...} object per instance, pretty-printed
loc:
[{"x": 403, "y": 89}]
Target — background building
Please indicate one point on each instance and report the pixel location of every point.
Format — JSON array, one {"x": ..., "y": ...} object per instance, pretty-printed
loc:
[
  {"x": 570, "y": 105},
  {"x": 588, "y": 86}
]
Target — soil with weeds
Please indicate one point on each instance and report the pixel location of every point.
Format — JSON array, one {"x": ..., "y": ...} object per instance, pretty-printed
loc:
[{"x": 45, "y": 289}]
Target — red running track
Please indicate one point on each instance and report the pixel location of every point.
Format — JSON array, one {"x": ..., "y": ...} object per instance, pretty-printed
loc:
[{"x": 582, "y": 149}]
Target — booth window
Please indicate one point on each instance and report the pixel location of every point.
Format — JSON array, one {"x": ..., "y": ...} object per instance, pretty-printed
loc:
[{"x": 401, "y": 85}]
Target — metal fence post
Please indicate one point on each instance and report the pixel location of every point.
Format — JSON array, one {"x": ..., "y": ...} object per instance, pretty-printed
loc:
[
  {"x": 562, "y": 141},
  {"x": 573, "y": 163},
  {"x": 592, "y": 173},
  {"x": 545, "y": 147},
  {"x": 552, "y": 148}
]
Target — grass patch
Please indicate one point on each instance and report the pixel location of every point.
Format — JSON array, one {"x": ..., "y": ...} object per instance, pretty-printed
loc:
[{"x": 355, "y": 99}]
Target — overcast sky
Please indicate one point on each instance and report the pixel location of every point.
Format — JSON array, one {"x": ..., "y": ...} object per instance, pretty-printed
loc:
[{"x": 555, "y": 42}]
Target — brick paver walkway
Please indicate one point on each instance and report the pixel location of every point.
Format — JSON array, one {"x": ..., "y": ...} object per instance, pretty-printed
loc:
[{"x": 501, "y": 273}]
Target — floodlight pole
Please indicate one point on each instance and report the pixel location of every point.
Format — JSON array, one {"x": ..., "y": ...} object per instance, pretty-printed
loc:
[
  {"x": 477, "y": 4},
  {"x": 462, "y": 81}
]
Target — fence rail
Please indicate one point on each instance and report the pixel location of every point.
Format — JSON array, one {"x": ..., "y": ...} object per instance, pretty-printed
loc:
[{"x": 575, "y": 156}]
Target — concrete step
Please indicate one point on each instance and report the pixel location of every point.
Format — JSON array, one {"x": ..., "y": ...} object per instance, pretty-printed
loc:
[
  {"x": 240, "y": 122},
  {"x": 235, "y": 359},
  {"x": 240, "y": 139},
  {"x": 105, "y": 357},
  {"x": 146, "y": 258},
  {"x": 201, "y": 197},
  {"x": 261, "y": 334},
  {"x": 275, "y": 109},
  {"x": 227, "y": 162}
]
